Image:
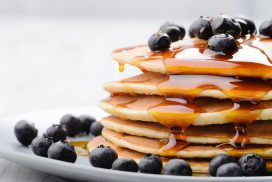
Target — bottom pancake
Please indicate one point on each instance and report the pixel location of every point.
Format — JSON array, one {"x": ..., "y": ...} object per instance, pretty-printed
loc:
[
  {"x": 199, "y": 166},
  {"x": 158, "y": 147}
]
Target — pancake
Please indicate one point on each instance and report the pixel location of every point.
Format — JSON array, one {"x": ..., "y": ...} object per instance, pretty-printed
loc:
[
  {"x": 253, "y": 59},
  {"x": 197, "y": 165},
  {"x": 193, "y": 86},
  {"x": 157, "y": 147},
  {"x": 257, "y": 133},
  {"x": 182, "y": 112}
]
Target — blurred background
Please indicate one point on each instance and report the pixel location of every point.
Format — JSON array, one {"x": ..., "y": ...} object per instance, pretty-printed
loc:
[{"x": 56, "y": 53}]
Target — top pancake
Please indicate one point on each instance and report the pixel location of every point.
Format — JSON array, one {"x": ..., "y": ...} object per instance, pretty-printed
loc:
[{"x": 253, "y": 59}]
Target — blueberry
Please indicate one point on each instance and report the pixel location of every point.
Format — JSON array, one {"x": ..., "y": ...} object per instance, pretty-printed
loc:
[
  {"x": 86, "y": 122},
  {"x": 62, "y": 151},
  {"x": 40, "y": 145},
  {"x": 103, "y": 157},
  {"x": 266, "y": 28},
  {"x": 229, "y": 170},
  {"x": 218, "y": 161},
  {"x": 201, "y": 28},
  {"x": 96, "y": 128},
  {"x": 125, "y": 164},
  {"x": 71, "y": 124},
  {"x": 222, "y": 43},
  {"x": 150, "y": 164},
  {"x": 170, "y": 29},
  {"x": 178, "y": 167},
  {"x": 226, "y": 24},
  {"x": 243, "y": 25},
  {"x": 159, "y": 42},
  {"x": 56, "y": 132},
  {"x": 252, "y": 165},
  {"x": 251, "y": 27},
  {"x": 25, "y": 132}
]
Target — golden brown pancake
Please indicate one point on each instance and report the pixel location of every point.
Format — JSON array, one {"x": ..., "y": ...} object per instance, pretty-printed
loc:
[
  {"x": 193, "y": 86},
  {"x": 183, "y": 112},
  {"x": 257, "y": 133},
  {"x": 162, "y": 148},
  {"x": 253, "y": 59},
  {"x": 197, "y": 165}
]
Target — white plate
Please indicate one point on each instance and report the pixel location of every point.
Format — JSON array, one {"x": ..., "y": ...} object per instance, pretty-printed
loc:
[{"x": 81, "y": 170}]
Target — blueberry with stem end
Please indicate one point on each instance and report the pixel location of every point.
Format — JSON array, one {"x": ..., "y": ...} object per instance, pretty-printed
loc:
[
  {"x": 56, "y": 132},
  {"x": 40, "y": 145},
  {"x": 150, "y": 164},
  {"x": 102, "y": 157},
  {"x": 62, "y": 151},
  {"x": 252, "y": 165}
]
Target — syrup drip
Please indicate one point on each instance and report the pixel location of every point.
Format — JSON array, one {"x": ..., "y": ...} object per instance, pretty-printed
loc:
[{"x": 121, "y": 67}]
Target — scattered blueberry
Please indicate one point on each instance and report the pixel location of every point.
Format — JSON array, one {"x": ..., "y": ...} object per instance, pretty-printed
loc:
[
  {"x": 125, "y": 164},
  {"x": 229, "y": 170},
  {"x": 201, "y": 28},
  {"x": 86, "y": 122},
  {"x": 266, "y": 28},
  {"x": 252, "y": 165},
  {"x": 174, "y": 31},
  {"x": 222, "y": 43},
  {"x": 56, "y": 132},
  {"x": 96, "y": 128},
  {"x": 159, "y": 42},
  {"x": 251, "y": 27},
  {"x": 178, "y": 167},
  {"x": 62, "y": 151},
  {"x": 40, "y": 145},
  {"x": 103, "y": 157},
  {"x": 150, "y": 164},
  {"x": 218, "y": 161},
  {"x": 25, "y": 132},
  {"x": 226, "y": 24},
  {"x": 71, "y": 124}
]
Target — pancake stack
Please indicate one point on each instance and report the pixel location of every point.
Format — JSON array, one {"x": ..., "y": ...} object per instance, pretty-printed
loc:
[{"x": 189, "y": 103}]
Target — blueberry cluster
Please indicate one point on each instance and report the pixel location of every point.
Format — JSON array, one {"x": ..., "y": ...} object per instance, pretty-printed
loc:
[
  {"x": 53, "y": 143},
  {"x": 248, "y": 165},
  {"x": 106, "y": 157},
  {"x": 168, "y": 32},
  {"x": 220, "y": 31}
]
